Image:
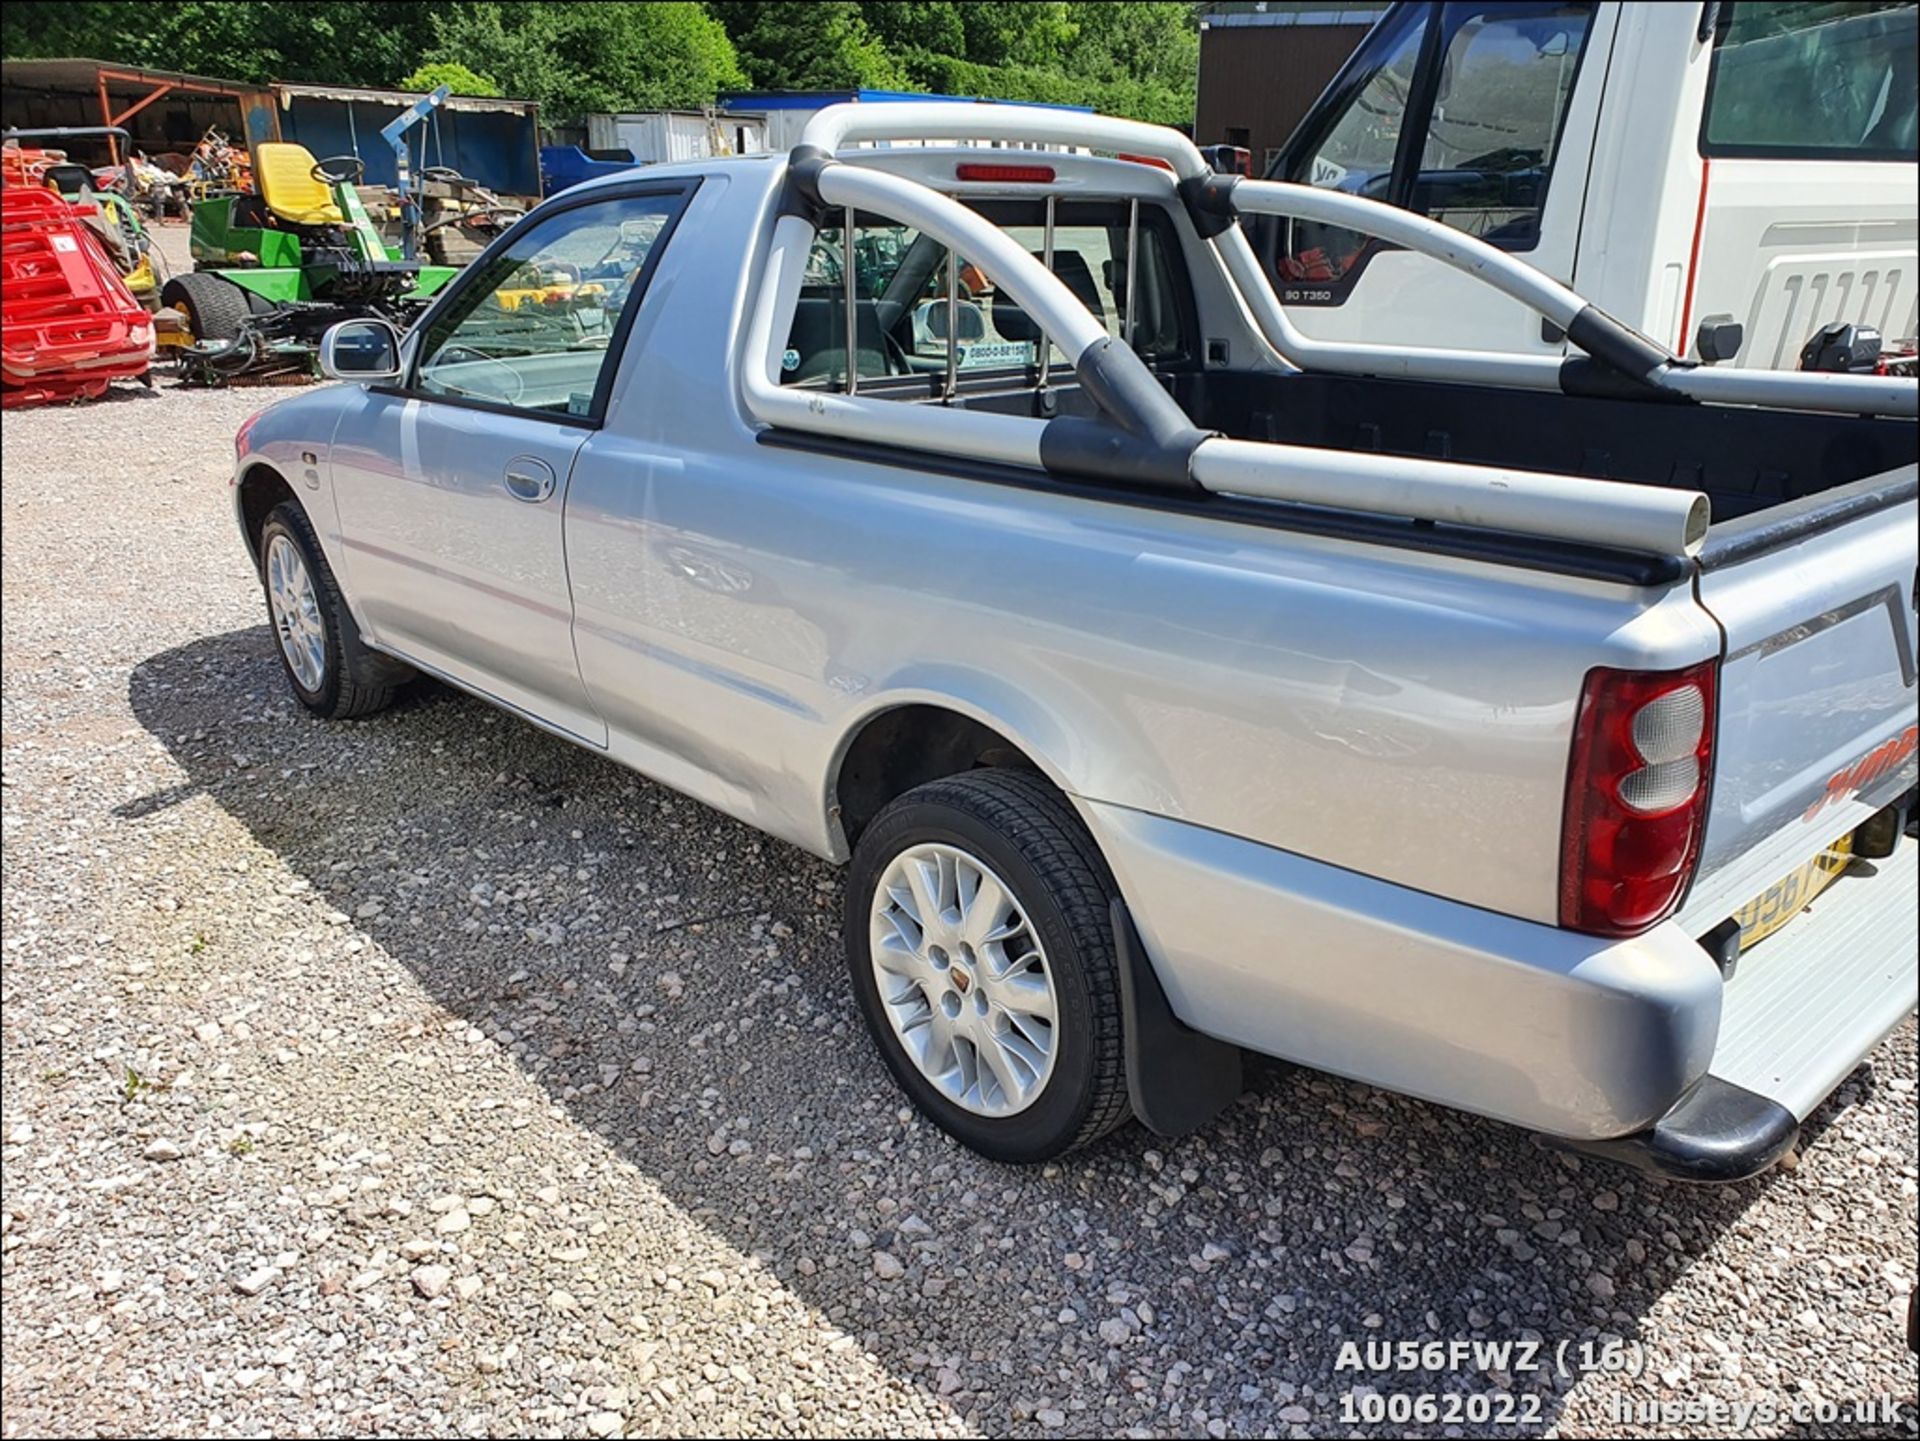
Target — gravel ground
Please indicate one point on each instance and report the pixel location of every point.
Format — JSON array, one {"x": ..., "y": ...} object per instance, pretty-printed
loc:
[{"x": 427, "y": 1075}]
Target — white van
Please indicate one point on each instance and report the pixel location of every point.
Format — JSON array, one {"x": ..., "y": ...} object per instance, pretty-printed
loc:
[{"x": 1726, "y": 178}]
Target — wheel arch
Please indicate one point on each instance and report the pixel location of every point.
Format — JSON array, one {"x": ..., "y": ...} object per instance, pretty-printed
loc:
[
  {"x": 924, "y": 733},
  {"x": 259, "y": 488}
]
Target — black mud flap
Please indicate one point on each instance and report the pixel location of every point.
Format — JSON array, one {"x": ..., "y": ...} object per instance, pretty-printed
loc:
[{"x": 1177, "y": 1079}]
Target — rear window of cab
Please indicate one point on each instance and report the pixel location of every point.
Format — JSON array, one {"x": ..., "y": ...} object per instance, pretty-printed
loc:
[{"x": 910, "y": 298}]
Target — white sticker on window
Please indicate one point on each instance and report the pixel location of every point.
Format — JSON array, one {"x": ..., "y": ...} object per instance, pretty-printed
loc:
[
  {"x": 985, "y": 353},
  {"x": 791, "y": 360}
]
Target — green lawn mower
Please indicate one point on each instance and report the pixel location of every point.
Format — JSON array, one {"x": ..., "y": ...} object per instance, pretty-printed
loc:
[{"x": 273, "y": 270}]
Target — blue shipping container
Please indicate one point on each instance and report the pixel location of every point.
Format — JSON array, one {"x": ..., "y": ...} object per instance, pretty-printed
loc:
[{"x": 494, "y": 142}]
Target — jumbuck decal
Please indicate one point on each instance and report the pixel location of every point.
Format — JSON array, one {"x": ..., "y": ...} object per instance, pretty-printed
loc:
[{"x": 1869, "y": 768}]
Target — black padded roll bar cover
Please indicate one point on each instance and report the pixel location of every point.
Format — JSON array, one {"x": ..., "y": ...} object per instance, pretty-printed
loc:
[
  {"x": 1081, "y": 448},
  {"x": 1582, "y": 375},
  {"x": 1617, "y": 345},
  {"x": 1209, "y": 202},
  {"x": 1119, "y": 382},
  {"x": 1143, "y": 437},
  {"x": 802, "y": 197}
]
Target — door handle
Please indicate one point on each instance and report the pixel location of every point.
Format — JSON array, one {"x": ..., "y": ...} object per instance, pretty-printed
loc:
[{"x": 530, "y": 479}]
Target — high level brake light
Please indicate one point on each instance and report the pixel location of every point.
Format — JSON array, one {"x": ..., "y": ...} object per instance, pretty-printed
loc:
[
  {"x": 1636, "y": 797},
  {"x": 1015, "y": 174}
]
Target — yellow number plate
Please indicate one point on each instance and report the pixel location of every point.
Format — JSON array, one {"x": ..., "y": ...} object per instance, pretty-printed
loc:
[{"x": 1785, "y": 899}]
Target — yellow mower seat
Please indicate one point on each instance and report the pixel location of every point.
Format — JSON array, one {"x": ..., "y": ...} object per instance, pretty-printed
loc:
[{"x": 283, "y": 172}]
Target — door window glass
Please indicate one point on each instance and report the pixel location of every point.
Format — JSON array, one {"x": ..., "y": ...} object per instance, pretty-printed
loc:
[
  {"x": 537, "y": 328},
  {"x": 1498, "y": 106},
  {"x": 1485, "y": 104},
  {"x": 1355, "y": 154},
  {"x": 1814, "y": 80}
]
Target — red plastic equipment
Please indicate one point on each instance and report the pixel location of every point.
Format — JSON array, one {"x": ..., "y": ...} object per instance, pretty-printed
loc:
[{"x": 68, "y": 324}]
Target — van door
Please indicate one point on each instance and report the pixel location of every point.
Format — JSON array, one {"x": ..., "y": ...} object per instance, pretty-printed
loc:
[
  {"x": 1807, "y": 148},
  {"x": 1479, "y": 115}
]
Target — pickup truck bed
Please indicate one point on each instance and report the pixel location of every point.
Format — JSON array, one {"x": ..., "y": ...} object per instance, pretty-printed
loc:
[{"x": 1745, "y": 461}]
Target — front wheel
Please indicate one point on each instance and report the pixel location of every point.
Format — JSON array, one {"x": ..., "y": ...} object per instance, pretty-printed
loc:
[
  {"x": 981, "y": 950},
  {"x": 331, "y": 670}
]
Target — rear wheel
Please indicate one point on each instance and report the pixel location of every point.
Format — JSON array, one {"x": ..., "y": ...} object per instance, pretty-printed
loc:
[
  {"x": 214, "y": 308},
  {"x": 332, "y": 672},
  {"x": 981, "y": 951}
]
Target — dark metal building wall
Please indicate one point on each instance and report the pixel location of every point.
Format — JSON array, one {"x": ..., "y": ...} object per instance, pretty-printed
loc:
[{"x": 1263, "y": 78}]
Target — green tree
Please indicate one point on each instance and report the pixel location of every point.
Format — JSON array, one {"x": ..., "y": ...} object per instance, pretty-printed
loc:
[
  {"x": 341, "y": 41},
  {"x": 1032, "y": 33},
  {"x": 810, "y": 45},
  {"x": 1131, "y": 57},
  {"x": 1137, "y": 58},
  {"x": 934, "y": 26},
  {"x": 452, "y": 74},
  {"x": 1151, "y": 44},
  {"x": 574, "y": 59}
]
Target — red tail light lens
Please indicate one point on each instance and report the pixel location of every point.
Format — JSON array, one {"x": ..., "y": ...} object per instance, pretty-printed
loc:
[
  {"x": 1015, "y": 174},
  {"x": 1153, "y": 160},
  {"x": 1636, "y": 797}
]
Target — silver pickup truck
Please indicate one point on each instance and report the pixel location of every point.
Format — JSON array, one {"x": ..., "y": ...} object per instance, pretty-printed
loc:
[{"x": 1533, "y": 735}]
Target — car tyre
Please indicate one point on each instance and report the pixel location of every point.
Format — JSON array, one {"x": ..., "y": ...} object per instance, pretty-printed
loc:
[
  {"x": 332, "y": 671},
  {"x": 1065, "y": 1080}
]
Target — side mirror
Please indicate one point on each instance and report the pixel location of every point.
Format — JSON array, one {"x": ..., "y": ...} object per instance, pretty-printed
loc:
[
  {"x": 1719, "y": 338},
  {"x": 360, "y": 350}
]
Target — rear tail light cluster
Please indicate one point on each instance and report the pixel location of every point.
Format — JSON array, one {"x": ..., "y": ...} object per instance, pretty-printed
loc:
[{"x": 1636, "y": 797}]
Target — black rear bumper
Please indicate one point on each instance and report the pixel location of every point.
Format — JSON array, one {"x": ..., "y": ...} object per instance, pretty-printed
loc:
[{"x": 1717, "y": 1132}]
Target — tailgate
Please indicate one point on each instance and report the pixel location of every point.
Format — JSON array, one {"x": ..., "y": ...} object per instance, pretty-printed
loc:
[{"x": 1818, "y": 686}]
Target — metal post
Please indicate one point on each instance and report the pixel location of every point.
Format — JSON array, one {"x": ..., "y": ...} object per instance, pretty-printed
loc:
[
  {"x": 852, "y": 298},
  {"x": 1046, "y": 259},
  {"x": 138, "y": 105},
  {"x": 953, "y": 328},
  {"x": 394, "y": 132},
  {"x": 1133, "y": 246},
  {"x": 106, "y": 118}
]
